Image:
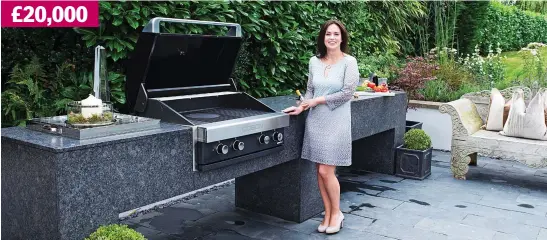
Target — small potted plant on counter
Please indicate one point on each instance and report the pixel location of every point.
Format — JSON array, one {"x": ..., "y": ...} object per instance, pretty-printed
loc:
[{"x": 413, "y": 158}]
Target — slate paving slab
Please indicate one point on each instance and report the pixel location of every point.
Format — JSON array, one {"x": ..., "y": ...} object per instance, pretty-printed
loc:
[
  {"x": 505, "y": 226},
  {"x": 499, "y": 201},
  {"x": 455, "y": 229}
]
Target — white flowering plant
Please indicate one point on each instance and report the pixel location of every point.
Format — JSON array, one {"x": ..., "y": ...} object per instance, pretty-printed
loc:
[
  {"x": 486, "y": 70},
  {"x": 535, "y": 70}
]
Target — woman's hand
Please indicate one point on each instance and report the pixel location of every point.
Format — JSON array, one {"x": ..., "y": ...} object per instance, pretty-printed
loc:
[
  {"x": 310, "y": 103},
  {"x": 314, "y": 102},
  {"x": 294, "y": 110}
]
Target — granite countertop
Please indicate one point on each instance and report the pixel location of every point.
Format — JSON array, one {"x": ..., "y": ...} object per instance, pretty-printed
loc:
[
  {"x": 55, "y": 143},
  {"x": 281, "y": 102}
]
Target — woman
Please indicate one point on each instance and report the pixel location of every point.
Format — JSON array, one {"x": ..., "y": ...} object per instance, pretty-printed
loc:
[{"x": 333, "y": 76}]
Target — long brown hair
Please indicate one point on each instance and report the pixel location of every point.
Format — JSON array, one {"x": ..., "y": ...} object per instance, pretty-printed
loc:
[{"x": 321, "y": 48}]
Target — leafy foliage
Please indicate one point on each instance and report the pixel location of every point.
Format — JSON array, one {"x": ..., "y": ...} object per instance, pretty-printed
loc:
[
  {"x": 52, "y": 46},
  {"x": 471, "y": 19},
  {"x": 486, "y": 70},
  {"x": 275, "y": 52},
  {"x": 535, "y": 71},
  {"x": 279, "y": 39},
  {"x": 439, "y": 90},
  {"x": 534, "y": 6},
  {"x": 382, "y": 64},
  {"x": 413, "y": 76},
  {"x": 511, "y": 27},
  {"x": 277, "y": 45},
  {"x": 417, "y": 139},
  {"x": 453, "y": 74},
  {"x": 31, "y": 93},
  {"x": 115, "y": 232}
]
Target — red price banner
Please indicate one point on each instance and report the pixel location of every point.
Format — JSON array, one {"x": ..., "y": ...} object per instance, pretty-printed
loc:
[{"x": 50, "y": 13}]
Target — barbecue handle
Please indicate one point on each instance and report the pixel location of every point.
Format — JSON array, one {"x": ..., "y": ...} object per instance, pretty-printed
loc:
[{"x": 154, "y": 25}]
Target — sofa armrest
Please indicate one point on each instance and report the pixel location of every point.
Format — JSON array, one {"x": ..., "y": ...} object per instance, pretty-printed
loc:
[{"x": 465, "y": 117}]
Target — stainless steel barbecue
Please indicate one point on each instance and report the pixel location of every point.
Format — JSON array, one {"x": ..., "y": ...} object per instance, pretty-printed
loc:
[{"x": 185, "y": 79}]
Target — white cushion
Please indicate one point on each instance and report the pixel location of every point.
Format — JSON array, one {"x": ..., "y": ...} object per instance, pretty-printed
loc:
[
  {"x": 494, "y": 120},
  {"x": 526, "y": 122}
]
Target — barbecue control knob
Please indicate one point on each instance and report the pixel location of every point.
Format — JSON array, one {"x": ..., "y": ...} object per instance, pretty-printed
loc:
[
  {"x": 238, "y": 145},
  {"x": 278, "y": 137},
  {"x": 222, "y": 149},
  {"x": 263, "y": 139}
]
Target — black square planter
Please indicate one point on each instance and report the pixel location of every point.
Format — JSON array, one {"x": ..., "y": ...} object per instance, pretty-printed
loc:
[
  {"x": 413, "y": 124},
  {"x": 413, "y": 163}
]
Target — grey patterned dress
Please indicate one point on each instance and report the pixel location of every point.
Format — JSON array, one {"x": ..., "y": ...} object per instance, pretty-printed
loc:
[{"x": 327, "y": 136}]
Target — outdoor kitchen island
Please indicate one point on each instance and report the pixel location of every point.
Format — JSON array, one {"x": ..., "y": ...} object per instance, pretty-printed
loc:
[{"x": 58, "y": 188}]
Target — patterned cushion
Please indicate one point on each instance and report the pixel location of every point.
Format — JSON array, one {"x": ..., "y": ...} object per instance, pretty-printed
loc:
[{"x": 526, "y": 122}]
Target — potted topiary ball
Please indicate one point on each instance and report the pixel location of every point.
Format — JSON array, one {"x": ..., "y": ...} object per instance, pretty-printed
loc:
[
  {"x": 413, "y": 158},
  {"x": 115, "y": 232}
]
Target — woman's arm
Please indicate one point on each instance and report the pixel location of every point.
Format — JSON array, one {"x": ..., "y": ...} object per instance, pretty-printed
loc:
[
  {"x": 351, "y": 79},
  {"x": 309, "y": 89}
]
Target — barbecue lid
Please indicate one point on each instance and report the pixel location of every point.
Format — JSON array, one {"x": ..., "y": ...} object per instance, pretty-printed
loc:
[{"x": 171, "y": 60}]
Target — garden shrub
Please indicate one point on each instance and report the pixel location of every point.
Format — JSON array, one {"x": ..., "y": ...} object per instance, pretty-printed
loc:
[
  {"x": 454, "y": 74},
  {"x": 417, "y": 139},
  {"x": 486, "y": 70},
  {"x": 413, "y": 76},
  {"x": 115, "y": 232},
  {"x": 438, "y": 91}
]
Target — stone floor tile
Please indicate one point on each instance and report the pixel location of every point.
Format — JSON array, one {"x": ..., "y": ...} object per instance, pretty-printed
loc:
[
  {"x": 308, "y": 226},
  {"x": 389, "y": 215},
  {"x": 147, "y": 232},
  {"x": 221, "y": 234},
  {"x": 429, "y": 211},
  {"x": 542, "y": 234},
  {"x": 215, "y": 204},
  {"x": 366, "y": 201},
  {"x": 541, "y": 173},
  {"x": 507, "y": 226},
  {"x": 237, "y": 223},
  {"x": 382, "y": 207},
  {"x": 510, "y": 205},
  {"x": 532, "y": 200},
  {"x": 388, "y": 229},
  {"x": 143, "y": 218},
  {"x": 505, "y": 236},
  {"x": 477, "y": 209},
  {"x": 205, "y": 211},
  {"x": 455, "y": 229},
  {"x": 413, "y": 197},
  {"x": 349, "y": 234},
  {"x": 527, "y": 219},
  {"x": 356, "y": 222}
]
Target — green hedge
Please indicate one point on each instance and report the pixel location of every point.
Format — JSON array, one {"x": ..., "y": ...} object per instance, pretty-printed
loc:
[
  {"x": 512, "y": 28},
  {"x": 471, "y": 19},
  {"x": 279, "y": 36},
  {"x": 279, "y": 39}
]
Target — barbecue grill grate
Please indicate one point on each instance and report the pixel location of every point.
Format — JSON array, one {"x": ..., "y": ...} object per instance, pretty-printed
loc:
[{"x": 212, "y": 115}]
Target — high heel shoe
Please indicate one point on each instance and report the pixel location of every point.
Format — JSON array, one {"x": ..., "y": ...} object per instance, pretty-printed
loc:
[
  {"x": 322, "y": 228},
  {"x": 335, "y": 229}
]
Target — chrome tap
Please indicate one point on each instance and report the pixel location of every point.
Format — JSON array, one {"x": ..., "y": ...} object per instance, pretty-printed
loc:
[{"x": 101, "y": 86}]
